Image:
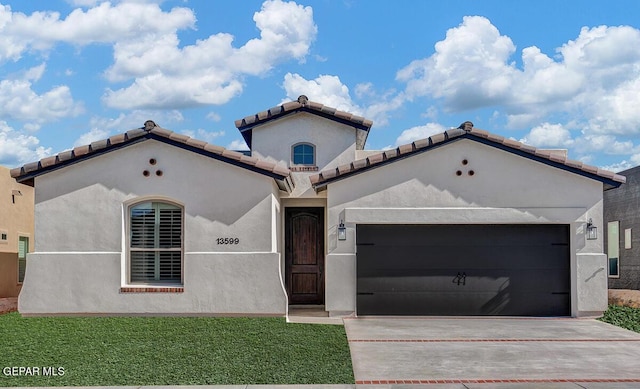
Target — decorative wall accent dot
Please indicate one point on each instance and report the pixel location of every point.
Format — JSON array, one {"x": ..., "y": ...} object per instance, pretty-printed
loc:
[
  {"x": 145, "y": 173},
  {"x": 152, "y": 161},
  {"x": 458, "y": 173},
  {"x": 159, "y": 173},
  {"x": 471, "y": 172},
  {"x": 464, "y": 162}
]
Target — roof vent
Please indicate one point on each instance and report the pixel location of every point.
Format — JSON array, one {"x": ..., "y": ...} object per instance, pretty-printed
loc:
[
  {"x": 467, "y": 126},
  {"x": 149, "y": 125},
  {"x": 302, "y": 99}
]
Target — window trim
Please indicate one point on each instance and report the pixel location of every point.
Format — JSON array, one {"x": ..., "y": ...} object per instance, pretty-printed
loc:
[
  {"x": 293, "y": 149},
  {"x": 127, "y": 284}
]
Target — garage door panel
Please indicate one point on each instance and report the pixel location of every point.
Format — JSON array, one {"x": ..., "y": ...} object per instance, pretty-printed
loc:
[{"x": 466, "y": 276}]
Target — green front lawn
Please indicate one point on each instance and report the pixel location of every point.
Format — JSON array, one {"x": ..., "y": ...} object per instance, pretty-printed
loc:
[
  {"x": 100, "y": 351},
  {"x": 625, "y": 317}
]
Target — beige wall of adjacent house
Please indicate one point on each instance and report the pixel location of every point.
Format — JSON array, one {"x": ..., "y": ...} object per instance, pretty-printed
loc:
[
  {"x": 504, "y": 189},
  {"x": 16, "y": 220},
  {"x": 80, "y": 258}
]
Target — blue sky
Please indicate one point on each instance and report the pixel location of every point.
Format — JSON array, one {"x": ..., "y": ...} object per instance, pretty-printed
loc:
[{"x": 554, "y": 74}]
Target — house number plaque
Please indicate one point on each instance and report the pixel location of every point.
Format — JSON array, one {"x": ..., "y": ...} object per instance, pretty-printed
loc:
[{"x": 228, "y": 240}]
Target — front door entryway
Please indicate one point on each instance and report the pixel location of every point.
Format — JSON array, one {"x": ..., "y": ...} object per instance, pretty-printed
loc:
[{"x": 304, "y": 255}]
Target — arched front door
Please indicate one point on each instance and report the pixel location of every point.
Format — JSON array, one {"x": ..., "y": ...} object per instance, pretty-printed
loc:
[{"x": 304, "y": 255}]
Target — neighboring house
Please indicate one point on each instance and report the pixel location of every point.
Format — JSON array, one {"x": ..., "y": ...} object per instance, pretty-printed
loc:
[
  {"x": 622, "y": 223},
  {"x": 462, "y": 223},
  {"x": 16, "y": 232}
]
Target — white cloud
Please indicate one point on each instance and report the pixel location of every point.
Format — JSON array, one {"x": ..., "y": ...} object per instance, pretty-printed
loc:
[
  {"x": 330, "y": 91},
  {"x": 17, "y": 148},
  {"x": 238, "y": 144},
  {"x": 201, "y": 134},
  {"x": 211, "y": 71},
  {"x": 136, "y": 119},
  {"x": 19, "y": 101},
  {"x": 595, "y": 76},
  {"x": 327, "y": 89},
  {"x": 549, "y": 135},
  {"x": 214, "y": 117},
  {"x": 419, "y": 132},
  {"x": 104, "y": 23},
  {"x": 94, "y": 135}
]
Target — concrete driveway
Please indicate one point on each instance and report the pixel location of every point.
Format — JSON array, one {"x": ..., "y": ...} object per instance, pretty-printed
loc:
[{"x": 503, "y": 353}]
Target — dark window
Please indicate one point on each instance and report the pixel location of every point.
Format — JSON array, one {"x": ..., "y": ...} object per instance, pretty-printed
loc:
[
  {"x": 304, "y": 154},
  {"x": 155, "y": 243},
  {"x": 23, "y": 249}
]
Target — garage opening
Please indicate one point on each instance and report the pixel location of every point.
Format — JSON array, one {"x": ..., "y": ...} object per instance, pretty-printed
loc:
[{"x": 463, "y": 270}]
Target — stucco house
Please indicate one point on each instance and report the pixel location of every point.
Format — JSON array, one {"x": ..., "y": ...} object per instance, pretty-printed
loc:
[
  {"x": 461, "y": 223},
  {"x": 16, "y": 232},
  {"x": 622, "y": 222}
]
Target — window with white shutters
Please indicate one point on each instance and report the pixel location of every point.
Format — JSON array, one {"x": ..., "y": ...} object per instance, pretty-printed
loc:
[{"x": 155, "y": 243}]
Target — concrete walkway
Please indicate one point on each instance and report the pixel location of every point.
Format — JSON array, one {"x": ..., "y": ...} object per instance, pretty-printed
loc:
[{"x": 488, "y": 352}]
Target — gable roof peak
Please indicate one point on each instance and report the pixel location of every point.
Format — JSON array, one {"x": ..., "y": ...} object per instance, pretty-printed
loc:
[
  {"x": 149, "y": 125},
  {"x": 467, "y": 126},
  {"x": 302, "y": 99}
]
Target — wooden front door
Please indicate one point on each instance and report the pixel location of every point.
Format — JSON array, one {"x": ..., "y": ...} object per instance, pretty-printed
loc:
[{"x": 304, "y": 255}]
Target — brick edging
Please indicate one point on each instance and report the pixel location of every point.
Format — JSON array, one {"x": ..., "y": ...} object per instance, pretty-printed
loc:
[
  {"x": 494, "y": 381},
  {"x": 152, "y": 290}
]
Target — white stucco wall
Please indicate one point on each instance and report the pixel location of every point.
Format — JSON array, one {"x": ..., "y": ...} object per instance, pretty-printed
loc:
[
  {"x": 335, "y": 145},
  {"x": 79, "y": 263},
  {"x": 504, "y": 189}
]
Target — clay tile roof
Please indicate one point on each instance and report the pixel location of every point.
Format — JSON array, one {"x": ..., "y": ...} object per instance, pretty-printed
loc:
[
  {"x": 302, "y": 104},
  {"x": 150, "y": 130},
  {"x": 467, "y": 131}
]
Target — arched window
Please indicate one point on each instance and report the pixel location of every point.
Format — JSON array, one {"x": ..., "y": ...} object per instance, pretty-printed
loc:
[
  {"x": 155, "y": 243},
  {"x": 303, "y": 154}
]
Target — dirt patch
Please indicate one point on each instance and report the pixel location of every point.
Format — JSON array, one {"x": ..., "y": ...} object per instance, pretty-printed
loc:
[
  {"x": 8, "y": 304},
  {"x": 624, "y": 297}
]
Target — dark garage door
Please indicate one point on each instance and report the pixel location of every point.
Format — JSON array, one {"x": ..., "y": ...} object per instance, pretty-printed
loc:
[{"x": 518, "y": 270}]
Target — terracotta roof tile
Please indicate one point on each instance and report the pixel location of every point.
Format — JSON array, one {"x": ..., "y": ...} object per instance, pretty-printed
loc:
[
  {"x": 151, "y": 129},
  {"x": 344, "y": 168},
  {"x": 438, "y": 138},
  {"x": 232, "y": 154},
  {"x": 30, "y": 167},
  {"x": 465, "y": 130},
  {"x": 214, "y": 149},
  {"x": 179, "y": 137},
  {"x": 404, "y": 149},
  {"x": 196, "y": 143},
  {"x": 136, "y": 133},
  {"x": 388, "y": 154},
  {"x": 421, "y": 143},
  {"x": 116, "y": 139},
  {"x": 249, "y": 160},
  {"x": 101, "y": 144},
  {"x": 162, "y": 131},
  {"x": 359, "y": 164},
  {"x": 375, "y": 158},
  {"x": 246, "y": 124},
  {"x": 454, "y": 132},
  {"x": 65, "y": 155},
  {"x": 279, "y": 169},
  {"x": 48, "y": 161},
  {"x": 555, "y": 157},
  {"x": 15, "y": 172},
  {"x": 81, "y": 150},
  {"x": 265, "y": 165}
]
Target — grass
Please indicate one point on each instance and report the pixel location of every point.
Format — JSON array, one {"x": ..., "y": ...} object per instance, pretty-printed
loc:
[
  {"x": 172, "y": 351},
  {"x": 625, "y": 317}
]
